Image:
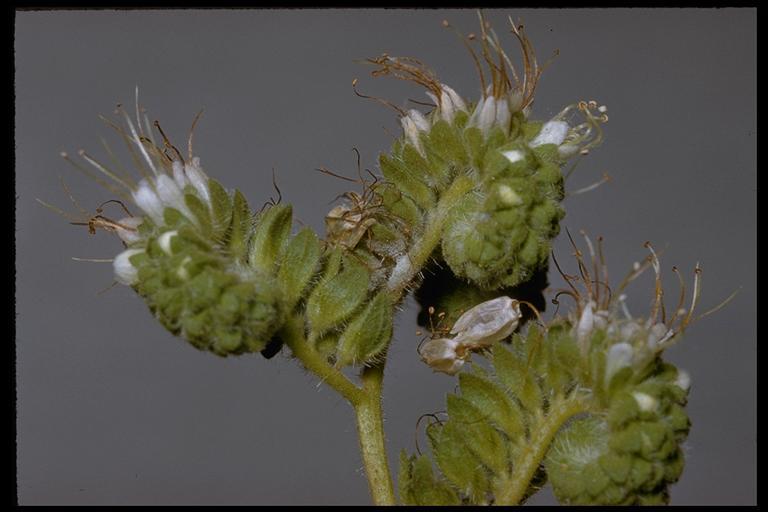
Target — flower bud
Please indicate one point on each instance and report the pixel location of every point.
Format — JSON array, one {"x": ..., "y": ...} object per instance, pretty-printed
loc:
[
  {"x": 125, "y": 272},
  {"x": 413, "y": 124},
  {"x": 145, "y": 198},
  {"x": 488, "y": 322},
  {"x": 619, "y": 356},
  {"x": 448, "y": 103},
  {"x": 441, "y": 355}
]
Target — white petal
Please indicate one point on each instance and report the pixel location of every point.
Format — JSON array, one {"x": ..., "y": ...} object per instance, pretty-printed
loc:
[
  {"x": 169, "y": 192},
  {"x": 410, "y": 131},
  {"x": 488, "y": 322},
  {"x": 586, "y": 322},
  {"x": 619, "y": 356},
  {"x": 146, "y": 199},
  {"x": 198, "y": 179},
  {"x": 475, "y": 116},
  {"x": 164, "y": 241},
  {"x": 487, "y": 115},
  {"x": 502, "y": 113},
  {"x": 178, "y": 175},
  {"x": 553, "y": 132},
  {"x": 125, "y": 272},
  {"x": 131, "y": 234},
  {"x": 453, "y": 97},
  {"x": 657, "y": 333},
  {"x": 441, "y": 355},
  {"x": 567, "y": 150},
  {"x": 419, "y": 120}
]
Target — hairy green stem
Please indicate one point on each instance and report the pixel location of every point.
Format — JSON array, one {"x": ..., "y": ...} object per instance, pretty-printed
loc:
[
  {"x": 530, "y": 457},
  {"x": 367, "y": 401},
  {"x": 293, "y": 336},
  {"x": 412, "y": 262},
  {"x": 370, "y": 427}
]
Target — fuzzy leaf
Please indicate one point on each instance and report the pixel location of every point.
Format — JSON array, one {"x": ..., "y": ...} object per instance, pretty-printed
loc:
[
  {"x": 272, "y": 229},
  {"x": 336, "y": 298},
  {"x": 406, "y": 181},
  {"x": 484, "y": 441},
  {"x": 516, "y": 379},
  {"x": 418, "y": 485},
  {"x": 221, "y": 205},
  {"x": 201, "y": 212},
  {"x": 494, "y": 404},
  {"x": 457, "y": 462},
  {"x": 240, "y": 227},
  {"x": 368, "y": 334},
  {"x": 299, "y": 264}
]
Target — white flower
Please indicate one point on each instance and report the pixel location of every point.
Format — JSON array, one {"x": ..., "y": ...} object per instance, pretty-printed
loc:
[
  {"x": 441, "y": 355},
  {"x": 619, "y": 356},
  {"x": 658, "y": 334},
  {"x": 178, "y": 174},
  {"x": 125, "y": 272},
  {"x": 484, "y": 115},
  {"x": 586, "y": 322},
  {"x": 145, "y": 198},
  {"x": 448, "y": 103},
  {"x": 553, "y": 132},
  {"x": 171, "y": 195},
  {"x": 127, "y": 229},
  {"x": 198, "y": 179},
  {"x": 488, "y": 322},
  {"x": 413, "y": 124}
]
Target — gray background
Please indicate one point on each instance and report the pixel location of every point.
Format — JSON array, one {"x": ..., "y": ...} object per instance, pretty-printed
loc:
[{"x": 112, "y": 409}]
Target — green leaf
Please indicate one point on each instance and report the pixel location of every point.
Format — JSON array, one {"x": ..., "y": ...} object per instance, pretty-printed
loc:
[
  {"x": 272, "y": 229},
  {"x": 240, "y": 227},
  {"x": 368, "y": 334},
  {"x": 479, "y": 435},
  {"x": 201, "y": 212},
  {"x": 337, "y": 297},
  {"x": 221, "y": 205},
  {"x": 457, "y": 462},
  {"x": 407, "y": 182},
  {"x": 418, "y": 485},
  {"x": 494, "y": 404},
  {"x": 516, "y": 379},
  {"x": 298, "y": 266},
  {"x": 444, "y": 140}
]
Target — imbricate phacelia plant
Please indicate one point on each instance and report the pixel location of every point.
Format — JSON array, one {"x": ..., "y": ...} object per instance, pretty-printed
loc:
[{"x": 472, "y": 193}]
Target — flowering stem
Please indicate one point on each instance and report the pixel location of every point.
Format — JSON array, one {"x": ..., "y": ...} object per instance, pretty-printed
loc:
[
  {"x": 293, "y": 336},
  {"x": 370, "y": 428},
  {"x": 366, "y": 401},
  {"x": 425, "y": 245},
  {"x": 511, "y": 491}
]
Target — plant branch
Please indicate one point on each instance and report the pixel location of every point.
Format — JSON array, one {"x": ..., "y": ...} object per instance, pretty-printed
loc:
[
  {"x": 293, "y": 336},
  {"x": 411, "y": 263},
  {"x": 513, "y": 490},
  {"x": 370, "y": 427}
]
